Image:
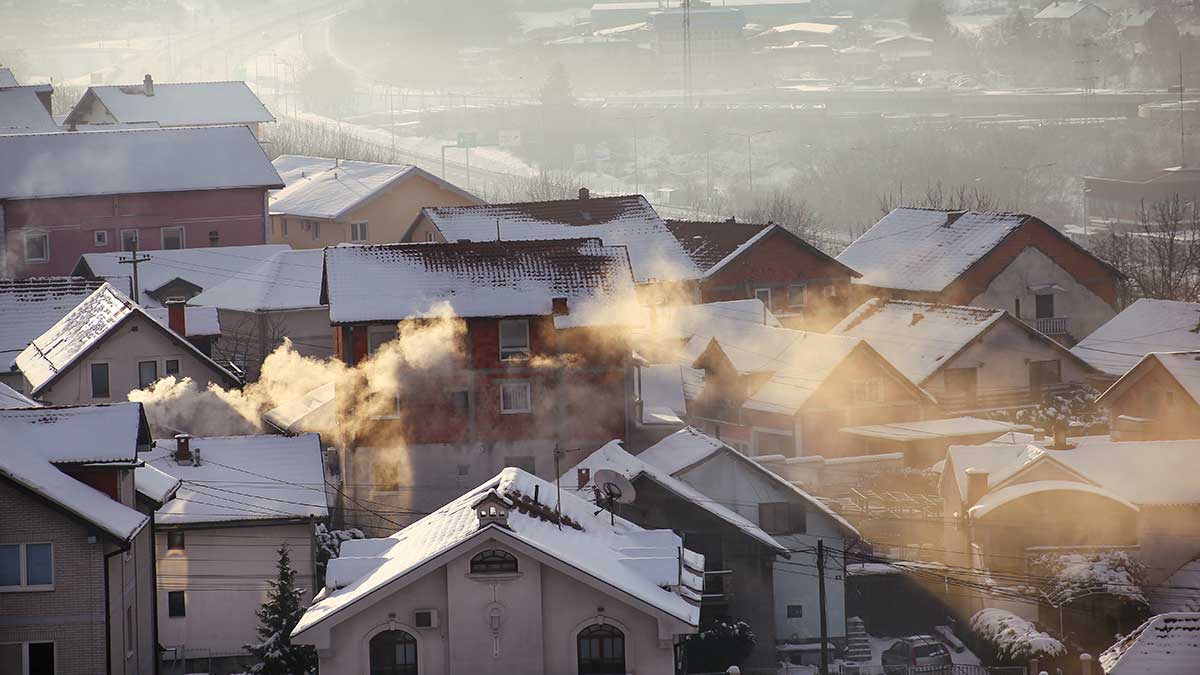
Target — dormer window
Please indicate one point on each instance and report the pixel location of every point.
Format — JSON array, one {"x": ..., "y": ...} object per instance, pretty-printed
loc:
[
  {"x": 491, "y": 509},
  {"x": 494, "y": 561}
]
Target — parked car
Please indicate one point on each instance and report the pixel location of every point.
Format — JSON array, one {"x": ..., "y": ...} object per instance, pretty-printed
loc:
[{"x": 917, "y": 655}]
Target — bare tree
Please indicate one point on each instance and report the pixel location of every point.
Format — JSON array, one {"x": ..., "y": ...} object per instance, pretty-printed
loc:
[
  {"x": 961, "y": 197},
  {"x": 1161, "y": 256},
  {"x": 783, "y": 208},
  {"x": 247, "y": 341}
]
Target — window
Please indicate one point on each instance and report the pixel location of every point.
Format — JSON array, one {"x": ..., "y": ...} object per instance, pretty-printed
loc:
[
  {"x": 130, "y": 636},
  {"x": 514, "y": 338},
  {"x": 99, "y": 380},
  {"x": 795, "y": 611},
  {"x": 797, "y": 295},
  {"x": 494, "y": 561},
  {"x": 831, "y": 290},
  {"x": 27, "y": 658},
  {"x": 763, "y": 294},
  {"x": 37, "y": 247},
  {"x": 100, "y": 237},
  {"x": 147, "y": 373},
  {"x": 283, "y": 226},
  {"x": 1045, "y": 305},
  {"x": 172, "y": 238},
  {"x": 358, "y": 231},
  {"x": 1043, "y": 373},
  {"x": 393, "y": 652},
  {"x": 26, "y": 567},
  {"x": 601, "y": 650},
  {"x": 514, "y": 398},
  {"x": 377, "y": 336},
  {"x": 172, "y": 367},
  {"x": 312, "y": 226},
  {"x": 869, "y": 390},
  {"x": 962, "y": 382},
  {"x": 782, "y": 518},
  {"x": 129, "y": 240},
  {"x": 522, "y": 462},
  {"x": 429, "y": 236},
  {"x": 766, "y": 443},
  {"x": 176, "y": 604},
  {"x": 214, "y": 238},
  {"x": 175, "y": 540}
]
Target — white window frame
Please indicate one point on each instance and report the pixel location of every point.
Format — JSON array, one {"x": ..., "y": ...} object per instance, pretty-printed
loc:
[
  {"x": 23, "y": 572},
  {"x": 162, "y": 237},
  {"x": 157, "y": 375},
  {"x": 24, "y": 645},
  {"x": 178, "y": 367},
  {"x": 29, "y": 236},
  {"x": 429, "y": 237},
  {"x": 354, "y": 234},
  {"x": 91, "y": 386},
  {"x": 100, "y": 238},
  {"x": 185, "y": 604},
  {"x": 528, "y": 397},
  {"x": 510, "y": 353},
  {"x": 766, "y": 290},
  {"x": 803, "y": 288}
]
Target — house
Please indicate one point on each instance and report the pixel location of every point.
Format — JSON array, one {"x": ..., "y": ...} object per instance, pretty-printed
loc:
[
  {"x": 1072, "y": 19},
  {"x": 106, "y": 347},
  {"x": 536, "y": 364},
  {"x": 176, "y": 104},
  {"x": 157, "y": 189},
  {"x": 793, "y": 517},
  {"x": 923, "y": 443},
  {"x": 1120, "y": 200},
  {"x": 217, "y": 539},
  {"x": 330, "y": 201},
  {"x": 802, "y": 32},
  {"x": 907, "y": 49},
  {"x": 739, "y": 556},
  {"x": 259, "y": 306},
  {"x": 801, "y": 285},
  {"x": 29, "y": 307},
  {"x": 712, "y": 35},
  {"x": 629, "y": 221},
  {"x": 968, "y": 358},
  {"x": 1165, "y": 644},
  {"x": 201, "y": 326},
  {"x": 1148, "y": 325},
  {"x": 1158, "y": 399},
  {"x": 508, "y": 578},
  {"x": 182, "y": 273},
  {"x": 1007, "y": 261},
  {"x": 76, "y": 553},
  {"x": 26, "y": 110}
]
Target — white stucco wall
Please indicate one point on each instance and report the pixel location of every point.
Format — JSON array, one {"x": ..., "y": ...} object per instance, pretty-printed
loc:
[{"x": 1086, "y": 310}]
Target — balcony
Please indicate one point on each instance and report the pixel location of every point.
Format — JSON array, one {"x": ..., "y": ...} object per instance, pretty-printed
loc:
[{"x": 1052, "y": 326}]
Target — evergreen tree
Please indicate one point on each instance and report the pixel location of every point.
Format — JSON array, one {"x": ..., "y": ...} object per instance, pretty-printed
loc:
[{"x": 278, "y": 616}]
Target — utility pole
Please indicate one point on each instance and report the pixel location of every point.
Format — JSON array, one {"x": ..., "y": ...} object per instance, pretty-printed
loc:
[
  {"x": 821, "y": 591},
  {"x": 135, "y": 261},
  {"x": 750, "y": 154},
  {"x": 633, "y": 119},
  {"x": 1182, "y": 132},
  {"x": 687, "y": 53}
]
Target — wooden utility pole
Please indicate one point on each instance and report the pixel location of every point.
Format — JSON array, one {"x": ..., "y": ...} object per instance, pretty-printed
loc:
[
  {"x": 135, "y": 261},
  {"x": 821, "y": 591}
]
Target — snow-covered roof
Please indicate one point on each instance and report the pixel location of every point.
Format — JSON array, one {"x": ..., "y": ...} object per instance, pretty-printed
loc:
[
  {"x": 320, "y": 187},
  {"x": 1166, "y": 644},
  {"x": 613, "y": 456},
  {"x": 7, "y": 79},
  {"x": 1010, "y": 493},
  {"x": 689, "y": 446},
  {"x": 926, "y": 249},
  {"x": 132, "y": 161},
  {"x": 157, "y": 486},
  {"x": 613, "y": 553},
  {"x": 1146, "y": 326},
  {"x": 198, "y": 321},
  {"x": 177, "y": 104},
  {"x": 11, "y": 398},
  {"x": 903, "y": 38},
  {"x": 201, "y": 267},
  {"x": 21, "y": 112},
  {"x": 76, "y": 333},
  {"x": 715, "y": 245},
  {"x": 286, "y": 280},
  {"x": 22, "y": 462},
  {"x": 30, "y": 306},
  {"x": 629, "y": 221},
  {"x": 663, "y": 399},
  {"x": 242, "y": 479},
  {"x": 78, "y": 434},
  {"x": 918, "y": 338},
  {"x": 1180, "y": 592},
  {"x": 686, "y": 321},
  {"x": 997, "y": 458},
  {"x": 504, "y": 278},
  {"x": 954, "y": 427},
  {"x": 1064, "y": 10},
  {"x": 1183, "y": 367},
  {"x": 312, "y": 412}
]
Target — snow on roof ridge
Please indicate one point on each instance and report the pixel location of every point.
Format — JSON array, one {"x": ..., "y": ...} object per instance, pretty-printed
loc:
[{"x": 1168, "y": 648}]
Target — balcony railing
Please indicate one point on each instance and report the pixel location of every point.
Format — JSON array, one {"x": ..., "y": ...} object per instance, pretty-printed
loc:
[{"x": 1054, "y": 325}]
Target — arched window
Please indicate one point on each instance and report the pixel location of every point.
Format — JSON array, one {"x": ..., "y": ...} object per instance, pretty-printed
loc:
[
  {"x": 601, "y": 650},
  {"x": 393, "y": 652},
  {"x": 494, "y": 561}
]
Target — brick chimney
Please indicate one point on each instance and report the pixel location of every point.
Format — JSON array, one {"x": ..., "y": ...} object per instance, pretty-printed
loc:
[
  {"x": 583, "y": 477},
  {"x": 183, "y": 448},
  {"x": 148, "y": 85},
  {"x": 977, "y": 486},
  {"x": 1060, "y": 437},
  {"x": 177, "y": 317},
  {"x": 584, "y": 193}
]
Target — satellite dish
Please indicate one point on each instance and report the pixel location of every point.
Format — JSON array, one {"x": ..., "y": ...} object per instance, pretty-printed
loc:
[{"x": 614, "y": 486}]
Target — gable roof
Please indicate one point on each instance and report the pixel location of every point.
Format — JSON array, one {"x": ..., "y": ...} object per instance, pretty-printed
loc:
[
  {"x": 21, "y": 111},
  {"x": 198, "y": 321},
  {"x": 613, "y": 456},
  {"x": 1146, "y": 326},
  {"x": 997, "y": 458},
  {"x": 155, "y": 485},
  {"x": 84, "y": 434},
  {"x": 285, "y": 280},
  {"x": 7, "y": 79},
  {"x": 630, "y": 221},
  {"x": 57, "y": 349},
  {"x": 11, "y": 398},
  {"x": 504, "y": 278},
  {"x": 135, "y": 161},
  {"x": 203, "y": 267},
  {"x": 1064, "y": 10},
  {"x": 610, "y": 552},
  {"x": 1183, "y": 367},
  {"x": 319, "y": 187},
  {"x": 30, "y": 306},
  {"x": 690, "y": 447},
  {"x": 244, "y": 479},
  {"x": 176, "y": 104},
  {"x": 1165, "y": 644},
  {"x": 713, "y": 245}
]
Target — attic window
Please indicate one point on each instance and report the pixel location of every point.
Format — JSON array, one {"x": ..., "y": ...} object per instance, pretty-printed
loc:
[
  {"x": 494, "y": 561},
  {"x": 514, "y": 338}
]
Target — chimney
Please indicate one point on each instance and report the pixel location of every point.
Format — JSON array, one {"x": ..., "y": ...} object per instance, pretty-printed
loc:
[
  {"x": 583, "y": 477},
  {"x": 148, "y": 85},
  {"x": 1060, "y": 437},
  {"x": 196, "y": 457},
  {"x": 977, "y": 486},
  {"x": 558, "y": 307},
  {"x": 183, "y": 448},
  {"x": 952, "y": 216},
  {"x": 584, "y": 193},
  {"x": 176, "y": 317},
  {"x": 916, "y": 318}
]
